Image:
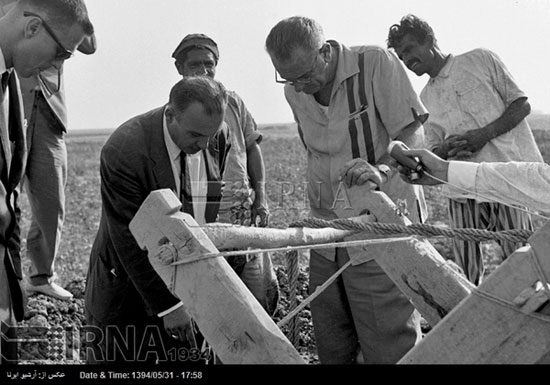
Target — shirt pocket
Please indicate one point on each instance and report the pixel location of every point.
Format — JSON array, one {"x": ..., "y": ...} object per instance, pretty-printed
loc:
[{"x": 474, "y": 98}]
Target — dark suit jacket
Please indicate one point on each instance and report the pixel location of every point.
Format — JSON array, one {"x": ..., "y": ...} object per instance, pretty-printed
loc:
[
  {"x": 13, "y": 154},
  {"x": 122, "y": 286}
]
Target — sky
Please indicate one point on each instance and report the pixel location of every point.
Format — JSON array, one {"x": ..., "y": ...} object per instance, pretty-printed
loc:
[{"x": 132, "y": 71}]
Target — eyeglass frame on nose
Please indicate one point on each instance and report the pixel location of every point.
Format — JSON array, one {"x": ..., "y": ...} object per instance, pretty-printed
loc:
[{"x": 303, "y": 79}]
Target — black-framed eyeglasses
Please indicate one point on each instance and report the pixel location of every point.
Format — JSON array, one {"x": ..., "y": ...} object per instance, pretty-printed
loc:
[
  {"x": 302, "y": 80},
  {"x": 62, "y": 52}
]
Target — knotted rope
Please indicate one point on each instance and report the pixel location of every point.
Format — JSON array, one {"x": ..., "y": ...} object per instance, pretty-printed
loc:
[
  {"x": 293, "y": 272},
  {"x": 425, "y": 230},
  {"x": 518, "y": 235}
]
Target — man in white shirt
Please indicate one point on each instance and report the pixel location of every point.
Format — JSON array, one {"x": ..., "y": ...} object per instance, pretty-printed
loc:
[{"x": 477, "y": 113}]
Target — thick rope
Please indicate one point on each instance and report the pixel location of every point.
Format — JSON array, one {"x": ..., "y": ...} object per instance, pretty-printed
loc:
[
  {"x": 476, "y": 235},
  {"x": 293, "y": 271}
]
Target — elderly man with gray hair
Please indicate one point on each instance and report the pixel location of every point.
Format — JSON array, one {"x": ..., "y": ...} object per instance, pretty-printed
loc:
[{"x": 348, "y": 104}]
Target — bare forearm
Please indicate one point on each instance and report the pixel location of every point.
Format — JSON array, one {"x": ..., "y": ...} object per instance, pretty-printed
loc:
[
  {"x": 512, "y": 116},
  {"x": 256, "y": 171}
]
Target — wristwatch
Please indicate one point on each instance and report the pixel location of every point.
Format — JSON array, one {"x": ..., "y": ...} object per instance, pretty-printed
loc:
[{"x": 384, "y": 169}]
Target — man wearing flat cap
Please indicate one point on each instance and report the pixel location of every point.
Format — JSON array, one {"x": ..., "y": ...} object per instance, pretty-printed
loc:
[{"x": 244, "y": 200}]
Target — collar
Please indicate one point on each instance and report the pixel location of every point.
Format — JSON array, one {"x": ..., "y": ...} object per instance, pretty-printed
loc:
[
  {"x": 2, "y": 62},
  {"x": 347, "y": 63},
  {"x": 173, "y": 150},
  {"x": 446, "y": 70}
]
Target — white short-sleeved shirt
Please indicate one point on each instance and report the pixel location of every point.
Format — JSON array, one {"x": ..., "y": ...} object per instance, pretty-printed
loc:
[
  {"x": 472, "y": 90},
  {"x": 337, "y": 135},
  {"x": 243, "y": 133}
]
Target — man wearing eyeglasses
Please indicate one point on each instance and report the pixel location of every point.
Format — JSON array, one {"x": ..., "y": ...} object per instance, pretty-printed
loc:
[
  {"x": 28, "y": 47},
  {"x": 46, "y": 114},
  {"x": 348, "y": 104},
  {"x": 244, "y": 200}
]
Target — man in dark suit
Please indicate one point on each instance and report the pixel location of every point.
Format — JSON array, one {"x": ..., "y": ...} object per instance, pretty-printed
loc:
[
  {"x": 45, "y": 111},
  {"x": 127, "y": 303},
  {"x": 34, "y": 35}
]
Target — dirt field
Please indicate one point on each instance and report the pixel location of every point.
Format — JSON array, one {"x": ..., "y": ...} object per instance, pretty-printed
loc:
[{"x": 285, "y": 167}]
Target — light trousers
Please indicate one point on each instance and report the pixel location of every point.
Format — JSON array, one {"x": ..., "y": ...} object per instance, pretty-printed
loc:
[
  {"x": 363, "y": 311},
  {"x": 44, "y": 182}
]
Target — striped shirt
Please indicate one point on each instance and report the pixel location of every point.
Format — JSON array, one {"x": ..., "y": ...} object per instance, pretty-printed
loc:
[{"x": 367, "y": 109}]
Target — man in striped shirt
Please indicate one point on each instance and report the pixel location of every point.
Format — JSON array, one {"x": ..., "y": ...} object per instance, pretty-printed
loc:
[{"x": 348, "y": 103}]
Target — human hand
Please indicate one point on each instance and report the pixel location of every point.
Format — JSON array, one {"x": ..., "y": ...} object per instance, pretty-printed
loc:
[
  {"x": 360, "y": 172},
  {"x": 466, "y": 145},
  {"x": 432, "y": 165},
  {"x": 259, "y": 213},
  {"x": 178, "y": 325},
  {"x": 449, "y": 144}
]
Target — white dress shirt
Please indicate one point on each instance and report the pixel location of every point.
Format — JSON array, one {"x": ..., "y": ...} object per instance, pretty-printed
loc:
[
  {"x": 198, "y": 177},
  {"x": 199, "y": 184},
  {"x": 524, "y": 184}
]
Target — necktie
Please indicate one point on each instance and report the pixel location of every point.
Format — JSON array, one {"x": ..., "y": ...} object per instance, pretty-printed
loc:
[
  {"x": 5, "y": 77},
  {"x": 3, "y": 169},
  {"x": 186, "y": 195},
  {"x": 17, "y": 130}
]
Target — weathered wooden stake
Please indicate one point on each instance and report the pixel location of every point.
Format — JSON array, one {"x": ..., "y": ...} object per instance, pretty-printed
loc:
[
  {"x": 433, "y": 286},
  {"x": 228, "y": 315},
  {"x": 493, "y": 325}
]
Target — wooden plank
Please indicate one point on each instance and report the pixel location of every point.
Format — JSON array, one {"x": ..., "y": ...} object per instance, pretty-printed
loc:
[
  {"x": 228, "y": 315},
  {"x": 487, "y": 327},
  {"x": 432, "y": 284}
]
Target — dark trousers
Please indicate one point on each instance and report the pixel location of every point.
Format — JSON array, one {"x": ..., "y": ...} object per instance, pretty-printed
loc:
[{"x": 143, "y": 341}]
